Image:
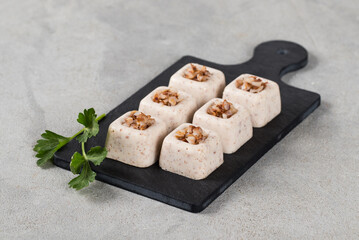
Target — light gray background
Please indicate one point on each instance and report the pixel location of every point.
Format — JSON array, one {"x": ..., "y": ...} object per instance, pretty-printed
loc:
[{"x": 59, "y": 57}]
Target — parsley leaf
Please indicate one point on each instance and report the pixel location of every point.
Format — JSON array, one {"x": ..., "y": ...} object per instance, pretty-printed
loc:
[
  {"x": 80, "y": 165},
  {"x": 83, "y": 180},
  {"x": 47, "y": 146},
  {"x": 88, "y": 119},
  {"x": 77, "y": 161},
  {"x": 96, "y": 155}
]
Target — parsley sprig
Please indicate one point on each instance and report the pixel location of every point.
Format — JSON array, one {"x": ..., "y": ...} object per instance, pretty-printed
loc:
[{"x": 80, "y": 162}]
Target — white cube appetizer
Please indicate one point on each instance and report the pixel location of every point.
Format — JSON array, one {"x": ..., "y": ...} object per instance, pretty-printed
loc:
[
  {"x": 203, "y": 83},
  {"x": 172, "y": 106},
  {"x": 135, "y": 139},
  {"x": 232, "y": 122},
  {"x": 191, "y": 151},
  {"x": 260, "y": 96}
]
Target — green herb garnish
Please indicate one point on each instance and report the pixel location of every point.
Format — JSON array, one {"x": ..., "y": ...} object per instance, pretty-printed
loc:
[{"x": 80, "y": 163}]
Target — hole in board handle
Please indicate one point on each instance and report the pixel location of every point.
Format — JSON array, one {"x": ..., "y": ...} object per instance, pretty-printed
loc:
[{"x": 282, "y": 51}]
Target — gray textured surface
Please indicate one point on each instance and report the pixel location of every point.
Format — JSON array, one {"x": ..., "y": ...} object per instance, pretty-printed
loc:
[{"x": 59, "y": 57}]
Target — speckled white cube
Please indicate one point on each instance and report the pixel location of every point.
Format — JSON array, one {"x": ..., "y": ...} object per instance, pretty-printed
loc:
[
  {"x": 234, "y": 131},
  {"x": 135, "y": 147},
  {"x": 173, "y": 116},
  {"x": 192, "y": 161},
  {"x": 201, "y": 91},
  {"x": 262, "y": 106}
]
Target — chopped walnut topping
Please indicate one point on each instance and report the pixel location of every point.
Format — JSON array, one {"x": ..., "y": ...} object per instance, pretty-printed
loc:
[
  {"x": 139, "y": 120},
  {"x": 191, "y": 134},
  {"x": 167, "y": 97},
  {"x": 223, "y": 110},
  {"x": 251, "y": 84},
  {"x": 193, "y": 73}
]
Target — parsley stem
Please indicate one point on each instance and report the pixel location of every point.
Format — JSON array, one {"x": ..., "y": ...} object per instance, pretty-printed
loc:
[
  {"x": 63, "y": 143},
  {"x": 79, "y": 132},
  {"x": 100, "y": 117},
  {"x": 83, "y": 150},
  {"x": 76, "y": 134}
]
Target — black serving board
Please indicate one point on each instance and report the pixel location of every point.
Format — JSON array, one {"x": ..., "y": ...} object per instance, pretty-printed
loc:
[{"x": 270, "y": 60}]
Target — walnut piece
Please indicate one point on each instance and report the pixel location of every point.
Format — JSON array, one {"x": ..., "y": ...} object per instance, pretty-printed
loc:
[
  {"x": 251, "y": 84},
  {"x": 191, "y": 134},
  {"x": 193, "y": 73},
  {"x": 167, "y": 97},
  {"x": 223, "y": 110},
  {"x": 139, "y": 120}
]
